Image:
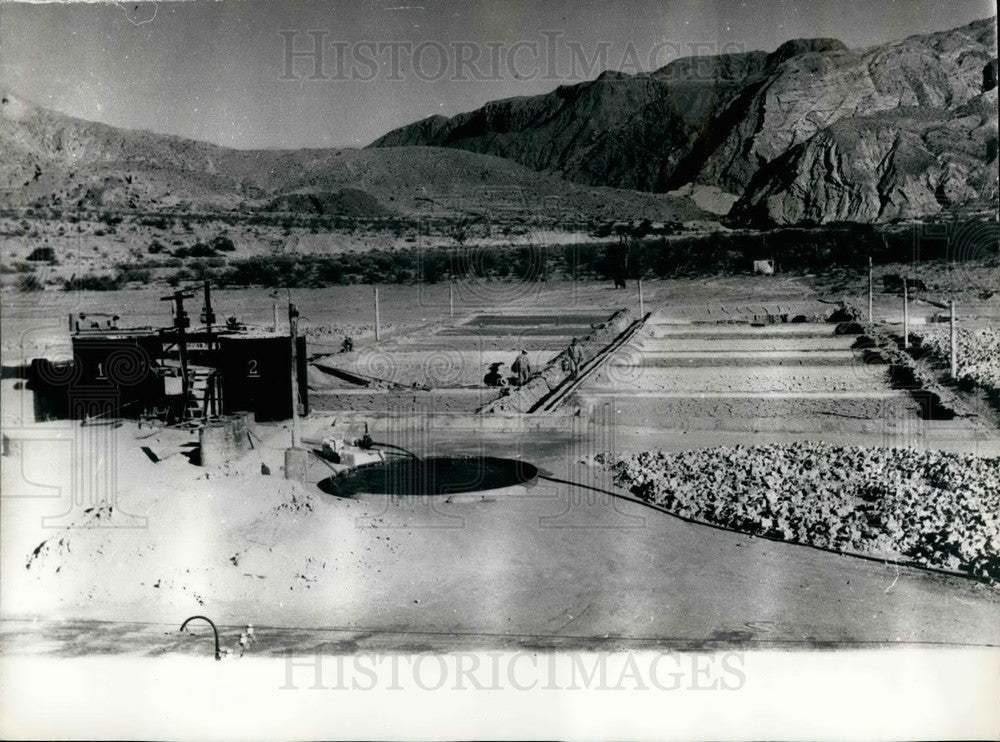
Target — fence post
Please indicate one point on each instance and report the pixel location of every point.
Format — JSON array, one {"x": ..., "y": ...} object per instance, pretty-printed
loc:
[
  {"x": 293, "y": 329},
  {"x": 906, "y": 314},
  {"x": 378, "y": 329},
  {"x": 870, "y": 288},
  {"x": 953, "y": 351}
]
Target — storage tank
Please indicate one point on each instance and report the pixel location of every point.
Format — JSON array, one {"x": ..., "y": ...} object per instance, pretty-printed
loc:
[{"x": 256, "y": 376}]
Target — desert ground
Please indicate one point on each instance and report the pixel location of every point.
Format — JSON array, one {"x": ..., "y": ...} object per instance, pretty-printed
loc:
[{"x": 113, "y": 535}]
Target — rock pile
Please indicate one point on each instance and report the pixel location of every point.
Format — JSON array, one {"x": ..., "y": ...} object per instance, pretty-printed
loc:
[
  {"x": 882, "y": 345},
  {"x": 933, "y": 508},
  {"x": 978, "y": 353}
]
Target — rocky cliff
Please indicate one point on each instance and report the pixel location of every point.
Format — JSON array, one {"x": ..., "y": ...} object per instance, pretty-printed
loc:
[
  {"x": 812, "y": 131},
  {"x": 907, "y": 163}
]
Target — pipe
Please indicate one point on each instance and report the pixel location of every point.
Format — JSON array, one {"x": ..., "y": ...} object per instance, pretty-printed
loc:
[
  {"x": 398, "y": 448},
  {"x": 218, "y": 650}
]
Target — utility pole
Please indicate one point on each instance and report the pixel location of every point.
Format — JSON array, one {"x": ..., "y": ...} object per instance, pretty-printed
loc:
[
  {"x": 906, "y": 314},
  {"x": 296, "y": 459},
  {"x": 207, "y": 313},
  {"x": 378, "y": 331},
  {"x": 451, "y": 295},
  {"x": 274, "y": 317},
  {"x": 293, "y": 324},
  {"x": 208, "y": 317},
  {"x": 181, "y": 323},
  {"x": 641, "y": 312}
]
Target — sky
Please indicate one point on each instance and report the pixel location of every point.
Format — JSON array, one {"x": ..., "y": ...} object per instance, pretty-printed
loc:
[{"x": 239, "y": 73}]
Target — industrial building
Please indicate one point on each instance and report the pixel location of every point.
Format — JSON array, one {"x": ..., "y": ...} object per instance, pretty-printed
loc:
[{"x": 174, "y": 373}]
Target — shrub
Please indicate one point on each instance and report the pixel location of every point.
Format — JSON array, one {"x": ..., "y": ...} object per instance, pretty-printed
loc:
[
  {"x": 157, "y": 222},
  {"x": 42, "y": 254},
  {"x": 182, "y": 275},
  {"x": 91, "y": 283},
  {"x": 201, "y": 250},
  {"x": 131, "y": 274},
  {"x": 29, "y": 282},
  {"x": 222, "y": 243}
]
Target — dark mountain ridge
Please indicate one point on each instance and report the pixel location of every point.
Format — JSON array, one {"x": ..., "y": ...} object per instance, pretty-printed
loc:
[{"x": 730, "y": 121}]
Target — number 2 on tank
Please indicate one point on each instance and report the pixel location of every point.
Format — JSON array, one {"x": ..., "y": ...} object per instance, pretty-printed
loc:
[{"x": 252, "y": 369}]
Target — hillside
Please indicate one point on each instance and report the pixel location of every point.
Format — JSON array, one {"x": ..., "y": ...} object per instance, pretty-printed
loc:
[
  {"x": 52, "y": 160},
  {"x": 907, "y": 163},
  {"x": 731, "y": 121}
]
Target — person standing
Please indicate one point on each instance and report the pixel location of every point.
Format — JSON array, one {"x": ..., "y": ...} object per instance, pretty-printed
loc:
[
  {"x": 575, "y": 353},
  {"x": 522, "y": 367}
]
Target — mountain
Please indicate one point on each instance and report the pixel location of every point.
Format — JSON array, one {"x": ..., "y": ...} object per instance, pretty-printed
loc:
[
  {"x": 70, "y": 162},
  {"x": 48, "y": 158},
  {"x": 904, "y": 163},
  {"x": 760, "y": 126}
]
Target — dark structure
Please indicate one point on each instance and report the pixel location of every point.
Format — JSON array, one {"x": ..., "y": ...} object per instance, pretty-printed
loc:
[
  {"x": 110, "y": 374},
  {"x": 176, "y": 373},
  {"x": 255, "y": 375}
]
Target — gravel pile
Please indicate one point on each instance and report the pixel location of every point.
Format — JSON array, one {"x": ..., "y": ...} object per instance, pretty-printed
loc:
[
  {"x": 933, "y": 508},
  {"x": 978, "y": 353}
]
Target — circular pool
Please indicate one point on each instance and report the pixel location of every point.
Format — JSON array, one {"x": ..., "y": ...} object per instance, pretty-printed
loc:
[{"x": 439, "y": 475}]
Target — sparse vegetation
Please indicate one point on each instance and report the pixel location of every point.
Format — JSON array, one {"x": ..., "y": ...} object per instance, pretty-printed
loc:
[
  {"x": 223, "y": 243},
  {"x": 197, "y": 250},
  {"x": 835, "y": 255},
  {"x": 29, "y": 282},
  {"x": 92, "y": 283}
]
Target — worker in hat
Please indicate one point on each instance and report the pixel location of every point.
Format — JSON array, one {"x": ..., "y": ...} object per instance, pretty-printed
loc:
[
  {"x": 575, "y": 355},
  {"x": 522, "y": 367},
  {"x": 494, "y": 377}
]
